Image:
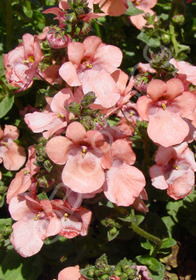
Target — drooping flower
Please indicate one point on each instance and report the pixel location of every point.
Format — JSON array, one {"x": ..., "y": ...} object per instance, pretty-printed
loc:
[
  {"x": 22, "y": 62},
  {"x": 11, "y": 154},
  {"x": 174, "y": 170}
]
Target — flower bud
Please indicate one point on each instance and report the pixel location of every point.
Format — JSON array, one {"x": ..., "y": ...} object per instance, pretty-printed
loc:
[
  {"x": 178, "y": 19},
  {"x": 165, "y": 38},
  {"x": 56, "y": 39}
]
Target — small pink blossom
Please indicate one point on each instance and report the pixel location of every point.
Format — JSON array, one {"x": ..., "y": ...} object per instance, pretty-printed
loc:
[
  {"x": 174, "y": 170},
  {"x": 11, "y": 154},
  {"x": 22, "y": 62}
]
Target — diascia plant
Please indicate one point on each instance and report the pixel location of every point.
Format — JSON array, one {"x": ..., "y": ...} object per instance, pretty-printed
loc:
[{"x": 98, "y": 157}]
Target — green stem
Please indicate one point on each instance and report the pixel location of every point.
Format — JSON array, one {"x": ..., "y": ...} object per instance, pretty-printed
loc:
[
  {"x": 173, "y": 38},
  {"x": 8, "y": 24},
  {"x": 97, "y": 28},
  {"x": 147, "y": 235}
]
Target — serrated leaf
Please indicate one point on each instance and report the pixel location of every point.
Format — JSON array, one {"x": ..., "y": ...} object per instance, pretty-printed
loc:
[
  {"x": 6, "y": 105},
  {"x": 132, "y": 10}
]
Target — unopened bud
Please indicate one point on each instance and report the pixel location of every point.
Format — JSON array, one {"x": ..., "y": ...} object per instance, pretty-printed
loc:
[
  {"x": 56, "y": 39},
  {"x": 178, "y": 19},
  {"x": 165, "y": 38}
]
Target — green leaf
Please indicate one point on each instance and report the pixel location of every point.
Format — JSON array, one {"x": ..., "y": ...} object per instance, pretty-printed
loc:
[
  {"x": 156, "y": 267},
  {"x": 168, "y": 243},
  {"x": 6, "y": 105},
  {"x": 151, "y": 41},
  {"x": 132, "y": 10},
  {"x": 15, "y": 267}
]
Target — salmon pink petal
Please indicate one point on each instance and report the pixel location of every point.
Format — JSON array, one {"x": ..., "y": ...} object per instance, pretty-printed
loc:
[
  {"x": 163, "y": 128},
  {"x": 70, "y": 273},
  {"x": 106, "y": 90},
  {"x": 108, "y": 57},
  {"x": 41, "y": 121},
  {"x": 25, "y": 238},
  {"x": 11, "y": 131},
  {"x": 19, "y": 184},
  {"x": 142, "y": 106},
  {"x": 57, "y": 148},
  {"x": 86, "y": 216},
  {"x": 120, "y": 78},
  {"x": 53, "y": 228},
  {"x": 75, "y": 132},
  {"x": 60, "y": 99},
  {"x": 157, "y": 177},
  {"x": 83, "y": 174},
  {"x": 75, "y": 52},
  {"x": 28, "y": 41},
  {"x": 14, "y": 157},
  {"x": 156, "y": 89},
  {"x": 182, "y": 186},
  {"x": 138, "y": 20},
  {"x": 91, "y": 44},
  {"x": 18, "y": 208},
  {"x": 68, "y": 73},
  {"x": 113, "y": 7},
  {"x": 175, "y": 87},
  {"x": 122, "y": 150},
  {"x": 186, "y": 103},
  {"x": 124, "y": 184}
]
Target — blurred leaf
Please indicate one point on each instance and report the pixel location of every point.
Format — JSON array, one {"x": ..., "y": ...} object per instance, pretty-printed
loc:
[
  {"x": 5, "y": 105},
  {"x": 168, "y": 243},
  {"x": 15, "y": 267}
]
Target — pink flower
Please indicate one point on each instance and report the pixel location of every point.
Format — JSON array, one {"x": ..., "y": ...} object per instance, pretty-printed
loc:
[
  {"x": 23, "y": 179},
  {"x": 35, "y": 222},
  {"x": 124, "y": 182},
  {"x": 174, "y": 170},
  {"x": 11, "y": 154},
  {"x": 83, "y": 170},
  {"x": 53, "y": 119},
  {"x": 22, "y": 63},
  {"x": 145, "y": 5},
  {"x": 112, "y": 7},
  {"x": 70, "y": 273},
  {"x": 142, "y": 271},
  {"x": 186, "y": 69},
  {"x": 165, "y": 108},
  {"x": 90, "y": 64}
]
